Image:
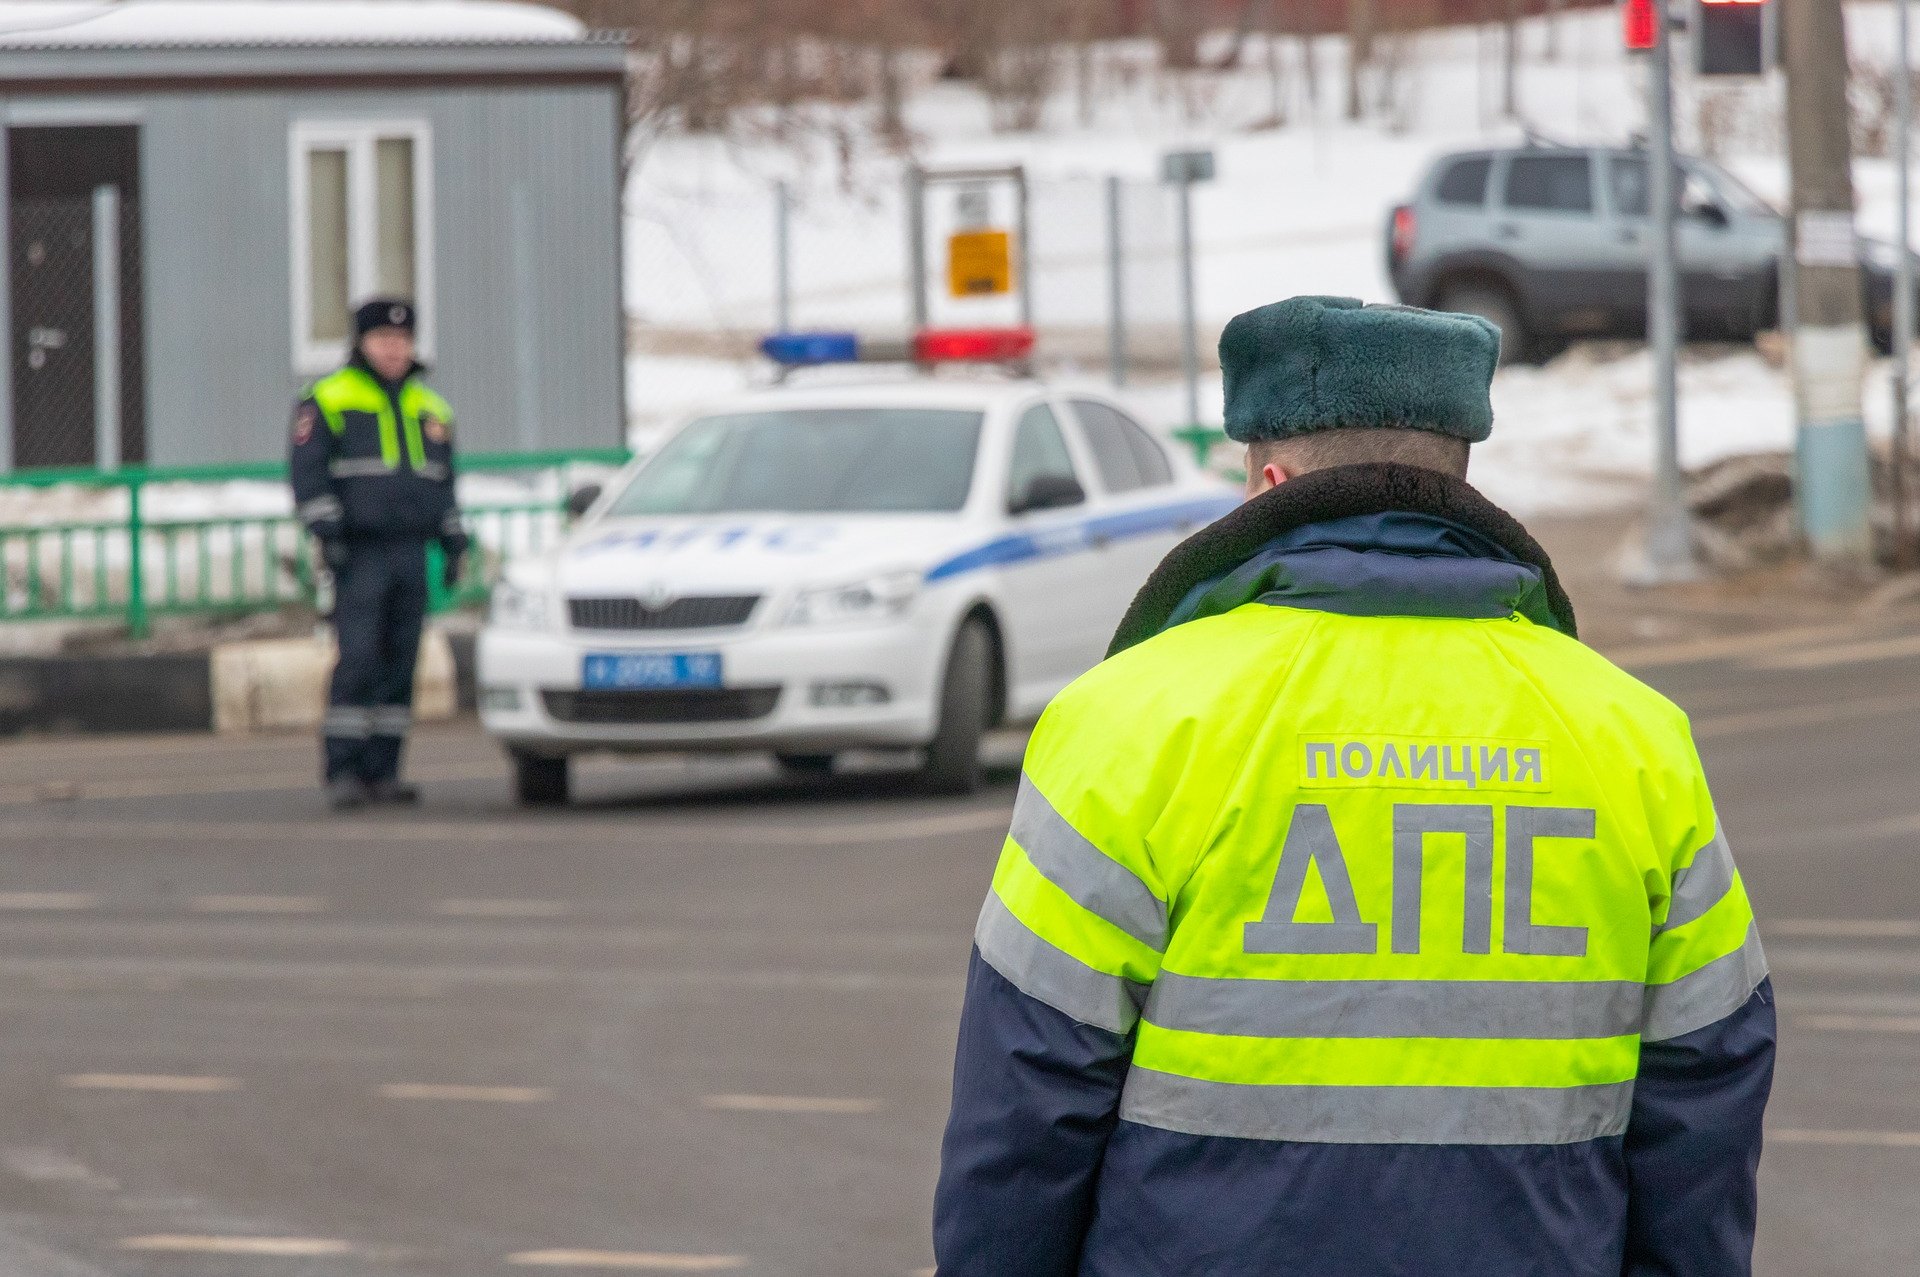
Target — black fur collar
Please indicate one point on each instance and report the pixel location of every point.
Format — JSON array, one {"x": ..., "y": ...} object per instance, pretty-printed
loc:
[{"x": 1322, "y": 495}]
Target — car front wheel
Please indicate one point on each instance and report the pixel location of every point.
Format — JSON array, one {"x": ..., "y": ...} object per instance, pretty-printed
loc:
[
  {"x": 952, "y": 764},
  {"x": 539, "y": 781}
]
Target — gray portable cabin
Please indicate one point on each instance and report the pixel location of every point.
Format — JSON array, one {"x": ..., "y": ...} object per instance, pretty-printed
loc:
[{"x": 220, "y": 181}]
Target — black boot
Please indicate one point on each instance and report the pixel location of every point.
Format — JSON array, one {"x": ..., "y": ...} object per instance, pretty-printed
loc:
[
  {"x": 397, "y": 792},
  {"x": 348, "y": 793}
]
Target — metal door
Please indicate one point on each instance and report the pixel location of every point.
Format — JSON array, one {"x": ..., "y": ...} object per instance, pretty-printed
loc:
[
  {"x": 74, "y": 264},
  {"x": 53, "y": 344}
]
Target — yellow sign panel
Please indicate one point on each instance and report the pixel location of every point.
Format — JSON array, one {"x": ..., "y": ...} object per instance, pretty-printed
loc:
[{"x": 980, "y": 263}]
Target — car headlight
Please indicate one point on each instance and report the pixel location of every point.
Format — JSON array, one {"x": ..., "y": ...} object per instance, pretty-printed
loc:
[
  {"x": 873, "y": 599},
  {"x": 519, "y": 607}
]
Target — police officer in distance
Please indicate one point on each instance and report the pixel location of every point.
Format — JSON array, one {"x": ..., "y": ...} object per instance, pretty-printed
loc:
[
  {"x": 372, "y": 466},
  {"x": 1356, "y": 919}
]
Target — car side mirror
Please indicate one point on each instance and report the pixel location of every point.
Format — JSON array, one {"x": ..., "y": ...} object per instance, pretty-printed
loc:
[
  {"x": 1709, "y": 212},
  {"x": 1048, "y": 492},
  {"x": 581, "y": 500}
]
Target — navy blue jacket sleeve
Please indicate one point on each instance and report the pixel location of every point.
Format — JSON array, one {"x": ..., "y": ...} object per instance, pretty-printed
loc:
[
  {"x": 316, "y": 502},
  {"x": 1035, "y": 1096},
  {"x": 1693, "y": 1146}
]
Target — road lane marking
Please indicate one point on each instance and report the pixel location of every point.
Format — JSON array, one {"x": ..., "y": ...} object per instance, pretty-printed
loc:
[
  {"x": 475, "y": 1094},
  {"x": 257, "y": 904},
  {"x": 284, "y": 1247},
  {"x": 502, "y": 908},
  {"x": 1687, "y": 651},
  {"x": 183, "y": 1084},
  {"x": 650, "y": 1260},
  {"x": 1851, "y": 1139},
  {"x": 1789, "y": 716},
  {"x": 787, "y": 1104},
  {"x": 48, "y": 900},
  {"x": 1885, "y": 649},
  {"x": 570, "y": 833},
  {"x": 1862, "y": 1023},
  {"x": 1844, "y": 928}
]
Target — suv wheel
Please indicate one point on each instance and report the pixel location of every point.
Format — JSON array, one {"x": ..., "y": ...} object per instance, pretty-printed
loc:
[
  {"x": 539, "y": 781},
  {"x": 1495, "y": 304}
]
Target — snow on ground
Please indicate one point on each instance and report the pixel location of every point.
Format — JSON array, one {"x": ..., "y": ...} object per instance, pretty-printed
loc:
[{"x": 1297, "y": 209}]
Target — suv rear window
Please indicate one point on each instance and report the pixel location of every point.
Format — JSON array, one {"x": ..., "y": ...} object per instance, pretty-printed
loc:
[
  {"x": 1123, "y": 452},
  {"x": 1464, "y": 182},
  {"x": 1561, "y": 183}
]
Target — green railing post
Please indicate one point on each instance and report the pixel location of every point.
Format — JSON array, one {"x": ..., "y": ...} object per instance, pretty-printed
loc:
[{"x": 137, "y": 625}]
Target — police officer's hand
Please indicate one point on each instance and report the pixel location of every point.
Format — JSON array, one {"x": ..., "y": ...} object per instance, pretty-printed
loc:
[
  {"x": 334, "y": 550},
  {"x": 450, "y": 571}
]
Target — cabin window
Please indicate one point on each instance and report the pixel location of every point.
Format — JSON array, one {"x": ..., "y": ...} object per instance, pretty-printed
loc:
[{"x": 361, "y": 228}]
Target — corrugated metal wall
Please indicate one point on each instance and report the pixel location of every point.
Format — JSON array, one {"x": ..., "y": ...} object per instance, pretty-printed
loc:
[{"x": 216, "y": 221}]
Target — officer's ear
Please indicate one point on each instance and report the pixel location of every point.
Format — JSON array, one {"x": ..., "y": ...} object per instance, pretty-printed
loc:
[{"x": 1264, "y": 473}]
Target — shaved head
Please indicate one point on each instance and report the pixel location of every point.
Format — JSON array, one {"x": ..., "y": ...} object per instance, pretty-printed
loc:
[{"x": 1324, "y": 449}]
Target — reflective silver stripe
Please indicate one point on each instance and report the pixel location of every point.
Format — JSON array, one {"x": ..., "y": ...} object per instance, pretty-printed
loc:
[
  {"x": 1096, "y": 881},
  {"x": 1377, "y": 1114},
  {"x": 1052, "y": 976},
  {"x": 349, "y": 722},
  {"x": 358, "y": 467},
  {"x": 321, "y": 507},
  {"x": 390, "y": 720},
  {"x": 1396, "y": 1008},
  {"x": 1702, "y": 884},
  {"x": 1712, "y": 993},
  {"x": 431, "y": 470}
]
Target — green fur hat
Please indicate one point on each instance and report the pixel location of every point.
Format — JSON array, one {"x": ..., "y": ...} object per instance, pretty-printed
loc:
[{"x": 1328, "y": 363}]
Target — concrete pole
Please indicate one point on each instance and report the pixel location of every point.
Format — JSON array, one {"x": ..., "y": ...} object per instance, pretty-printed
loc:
[
  {"x": 1832, "y": 483},
  {"x": 1189, "y": 318},
  {"x": 1903, "y": 316},
  {"x": 917, "y": 247},
  {"x": 1116, "y": 282},
  {"x": 782, "y": 257},
  {"x": 1669, "y": 548}
]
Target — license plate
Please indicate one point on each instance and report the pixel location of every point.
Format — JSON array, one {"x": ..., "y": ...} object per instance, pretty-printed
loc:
[{"x": 650, "y": 669}]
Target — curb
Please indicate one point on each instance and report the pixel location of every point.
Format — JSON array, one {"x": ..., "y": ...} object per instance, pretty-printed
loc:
[{"x": 260, "y": 685}]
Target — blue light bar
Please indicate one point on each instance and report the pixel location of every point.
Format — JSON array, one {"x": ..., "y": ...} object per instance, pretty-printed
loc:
[{"x": 793, "y": 349}]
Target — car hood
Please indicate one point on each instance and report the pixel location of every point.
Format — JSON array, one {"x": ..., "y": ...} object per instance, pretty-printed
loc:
[{"x": 749, "y": 553}]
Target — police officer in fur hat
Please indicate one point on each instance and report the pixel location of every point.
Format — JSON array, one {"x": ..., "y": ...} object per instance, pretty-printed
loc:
[
  {"x": 372, "y": 468},
  {"x": 1355, "y": 918}
]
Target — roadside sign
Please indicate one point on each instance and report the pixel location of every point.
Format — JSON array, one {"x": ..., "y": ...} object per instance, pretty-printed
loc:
[
  {"x": 980, "y": 263},
  {"x": 1182, "y": 167},
  {"x": 1733, "y": 37}
]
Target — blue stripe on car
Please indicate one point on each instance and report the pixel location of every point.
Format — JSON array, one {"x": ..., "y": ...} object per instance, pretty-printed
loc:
[{"x": 1020, "y": 547}]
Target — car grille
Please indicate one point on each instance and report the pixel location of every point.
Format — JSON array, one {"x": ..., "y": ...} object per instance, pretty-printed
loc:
[
  {"x": 662, "y": 705},
  {"x": 695, "y": 612}
]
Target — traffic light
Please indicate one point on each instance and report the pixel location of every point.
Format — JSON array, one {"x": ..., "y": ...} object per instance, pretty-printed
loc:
[{"x": 1733, "y": 37}]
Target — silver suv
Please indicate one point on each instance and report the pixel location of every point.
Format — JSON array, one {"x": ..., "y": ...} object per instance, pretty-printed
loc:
[{"x": 1552, "y": 243}]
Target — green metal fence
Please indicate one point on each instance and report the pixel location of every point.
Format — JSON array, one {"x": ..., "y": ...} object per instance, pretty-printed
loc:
[{"x": 136, "y": 562}]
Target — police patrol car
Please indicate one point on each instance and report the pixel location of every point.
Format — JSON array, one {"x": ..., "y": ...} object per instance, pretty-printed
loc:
[{"x": 817, "y": 569}]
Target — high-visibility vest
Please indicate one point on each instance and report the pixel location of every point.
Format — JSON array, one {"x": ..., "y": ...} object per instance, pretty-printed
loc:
[
  {"x": 1371, "y": 879},
  {"x": 407, "y": 437}
]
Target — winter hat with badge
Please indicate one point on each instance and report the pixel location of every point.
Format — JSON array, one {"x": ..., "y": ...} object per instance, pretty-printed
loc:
[
  {"x": 382, "y": 312},
  {"x": 1332, "y": 363}
]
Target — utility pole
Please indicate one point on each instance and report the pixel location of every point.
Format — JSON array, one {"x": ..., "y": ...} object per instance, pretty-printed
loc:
[
  {"x": 1669, "y": 547},
  {"x": 1903, "y": 317},
  {"x": 1510, "y": 73},
  {"x": 1832, "y": 483}
]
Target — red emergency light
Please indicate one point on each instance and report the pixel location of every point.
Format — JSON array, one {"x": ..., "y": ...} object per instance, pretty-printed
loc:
[
  {"x": 1640, "y": 19},
  {"x": 972, "y": 345}
]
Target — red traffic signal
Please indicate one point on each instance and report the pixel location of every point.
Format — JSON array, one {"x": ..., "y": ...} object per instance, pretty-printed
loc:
[{"x": 1639, "y": 19}]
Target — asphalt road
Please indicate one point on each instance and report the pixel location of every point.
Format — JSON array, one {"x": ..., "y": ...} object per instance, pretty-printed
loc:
[{"x": 703, "y": 1021}]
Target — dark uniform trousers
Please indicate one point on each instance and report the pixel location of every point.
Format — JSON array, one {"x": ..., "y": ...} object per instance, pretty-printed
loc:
[{"x": 380, "y": 607}]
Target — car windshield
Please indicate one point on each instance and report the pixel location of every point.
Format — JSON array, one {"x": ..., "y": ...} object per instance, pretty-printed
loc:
[
  {"x": 1735, "y": 193},
  {"x": 815, "y": 460}
]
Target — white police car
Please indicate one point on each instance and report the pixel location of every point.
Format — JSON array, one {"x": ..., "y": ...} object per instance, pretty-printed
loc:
[{"x": 812, "y": 570}]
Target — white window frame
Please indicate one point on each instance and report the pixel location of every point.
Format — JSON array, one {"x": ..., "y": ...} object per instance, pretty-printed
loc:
[{"x": 358, "y": 138}]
